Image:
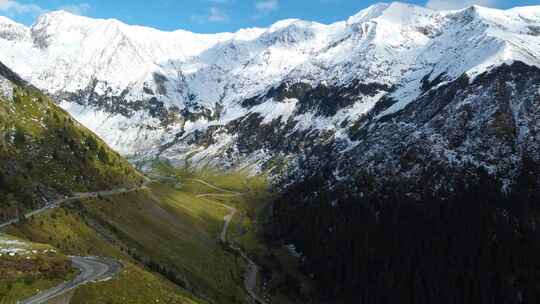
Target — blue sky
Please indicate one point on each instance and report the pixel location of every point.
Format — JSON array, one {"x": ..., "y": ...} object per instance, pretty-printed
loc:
[{"x": 210, "y": 16}]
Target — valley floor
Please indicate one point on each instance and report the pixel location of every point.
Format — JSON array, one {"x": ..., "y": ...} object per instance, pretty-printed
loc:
[{"x": 180, "y": 241}]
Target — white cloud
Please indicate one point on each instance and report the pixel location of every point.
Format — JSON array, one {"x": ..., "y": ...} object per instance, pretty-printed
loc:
[
  {"x": 214, "y": 15},
  {"x": 266, "y": 6},
  {"x": 77, "y": 9},
  {"x": 14, "y": 8},
  {"x": 458, "y": 4},
  {"x": 217, "y": 15}
]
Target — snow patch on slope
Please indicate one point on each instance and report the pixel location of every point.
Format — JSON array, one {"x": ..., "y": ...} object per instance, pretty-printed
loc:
[
  {"x": 394, "y": 44},
  {"x": 272, "y": 110}
]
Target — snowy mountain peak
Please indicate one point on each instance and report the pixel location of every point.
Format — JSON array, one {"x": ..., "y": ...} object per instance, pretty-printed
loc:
[
  {"x": 143, "y": 89},
  {"x": 63, "y": 20},
  {"x": 369, "y": 13},
  {"x": 58, "y": 15},
  {"x": 397, "y": 12},
  {"x": 284, "y": 24}
]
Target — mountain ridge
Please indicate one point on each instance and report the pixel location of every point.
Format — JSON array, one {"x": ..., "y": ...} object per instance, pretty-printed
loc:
[{"x": 193, "y": 101}]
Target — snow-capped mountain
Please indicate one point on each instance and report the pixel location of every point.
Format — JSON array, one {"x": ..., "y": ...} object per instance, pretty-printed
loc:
[{"x": 297, "y": 94}]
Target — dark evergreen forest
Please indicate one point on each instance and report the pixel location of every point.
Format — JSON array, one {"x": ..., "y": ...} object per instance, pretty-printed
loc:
[{"x": 474, "y": 244}]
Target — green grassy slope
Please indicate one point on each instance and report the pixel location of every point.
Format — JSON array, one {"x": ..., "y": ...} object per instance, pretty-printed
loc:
[
  {"x": 161, "y": 226},
  {"x": 167, "y": 228},
  {"x": 250, "y": 195},
  {"x": 44, "y": 152},
  {"x": 72, "y": 234},
  {"x": 285, "y": 283},
  {"x": 179, "y": 232}
]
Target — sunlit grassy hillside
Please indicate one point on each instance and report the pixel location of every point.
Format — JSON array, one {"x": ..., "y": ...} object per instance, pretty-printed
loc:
[
  {"x": 168, "y": 236},
  {"x": 45, "y": 153}
]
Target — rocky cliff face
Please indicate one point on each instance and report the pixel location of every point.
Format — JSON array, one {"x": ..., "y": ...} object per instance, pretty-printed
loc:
[{"x": 396, "y": 89}]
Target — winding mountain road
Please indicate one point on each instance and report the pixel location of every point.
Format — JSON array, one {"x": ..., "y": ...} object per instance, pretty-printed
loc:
[
  {"x": 97, "y": 269},
  {"x": 219, "y": 195},
  {"x": 76, "y": 196},
  {"x": 213, "y": 186},
  {"x": 93, "y": 269},
  {"x": 250, "y": 280}
]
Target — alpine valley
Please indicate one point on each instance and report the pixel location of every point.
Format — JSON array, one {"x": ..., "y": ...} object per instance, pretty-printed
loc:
[{"x": 402, "y": 146}]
